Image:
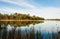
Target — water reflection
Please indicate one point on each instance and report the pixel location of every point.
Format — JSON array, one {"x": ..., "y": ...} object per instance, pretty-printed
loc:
[
  {"x": 30, "y": 32},
  {"x": 19, "y": 23}
]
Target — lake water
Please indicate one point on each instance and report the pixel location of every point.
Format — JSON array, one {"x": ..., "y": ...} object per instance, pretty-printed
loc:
[{"x": 30, "y": 30}]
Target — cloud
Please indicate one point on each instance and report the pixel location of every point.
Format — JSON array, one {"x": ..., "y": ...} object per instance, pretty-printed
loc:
[
  {"x": 8, "y": 10},
  {"x": 20, "y": 3},
  {"x": 46, "y": 12},
  {"x": 50, "y": 12}
]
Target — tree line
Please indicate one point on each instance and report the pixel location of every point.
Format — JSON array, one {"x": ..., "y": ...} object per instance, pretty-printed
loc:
[{"x": 19, "y": 16}]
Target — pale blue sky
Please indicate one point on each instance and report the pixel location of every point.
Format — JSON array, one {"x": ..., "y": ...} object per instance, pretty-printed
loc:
[{"x": 42, "y": 8}]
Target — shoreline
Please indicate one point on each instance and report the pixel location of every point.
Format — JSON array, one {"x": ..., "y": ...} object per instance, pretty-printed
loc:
[
  {"x": 21, "y": 20},
  {"x": 16, "y": 20}
]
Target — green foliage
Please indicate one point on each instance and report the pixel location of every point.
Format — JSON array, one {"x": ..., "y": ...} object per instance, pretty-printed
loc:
[{"x": 18, "y": 16}]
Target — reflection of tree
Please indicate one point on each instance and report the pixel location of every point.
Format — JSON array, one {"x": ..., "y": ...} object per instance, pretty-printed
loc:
[{"x": 20, "y": 23}]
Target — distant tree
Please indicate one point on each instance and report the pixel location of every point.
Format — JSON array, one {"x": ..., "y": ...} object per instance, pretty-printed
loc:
[{"x": 19, "y": 16}]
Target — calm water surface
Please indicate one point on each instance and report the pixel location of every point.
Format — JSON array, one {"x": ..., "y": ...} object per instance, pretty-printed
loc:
[{"x": 39, "y": 30}]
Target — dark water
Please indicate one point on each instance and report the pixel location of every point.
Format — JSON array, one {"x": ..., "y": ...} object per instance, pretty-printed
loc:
[{"x": 30, "y": 30}]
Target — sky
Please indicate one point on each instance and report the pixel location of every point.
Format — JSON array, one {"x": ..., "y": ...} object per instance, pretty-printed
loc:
[{"x": 43, "y": 8}]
